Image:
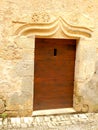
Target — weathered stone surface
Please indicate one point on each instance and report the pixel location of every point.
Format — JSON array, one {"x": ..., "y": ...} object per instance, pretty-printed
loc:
[
  {"x": 83, "y": 122},
  {"x": 19, "y": 101},
  {"x": 20, "y": 23},
  {"x": 2, "y": 106},
  {"x": 24, "y": 68}
]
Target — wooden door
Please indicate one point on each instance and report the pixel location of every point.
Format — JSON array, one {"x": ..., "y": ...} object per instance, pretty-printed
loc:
[{"x": 54, "y": 73}]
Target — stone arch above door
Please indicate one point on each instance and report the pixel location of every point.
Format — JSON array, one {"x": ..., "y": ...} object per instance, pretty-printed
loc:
[{"x": 46, "y": 24}]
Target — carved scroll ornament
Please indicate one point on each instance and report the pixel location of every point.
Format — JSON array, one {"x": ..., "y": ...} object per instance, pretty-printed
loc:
[{"x": 45, "y": 24}]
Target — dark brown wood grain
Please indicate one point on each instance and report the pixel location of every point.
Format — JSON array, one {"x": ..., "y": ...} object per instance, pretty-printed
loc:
[{"x": 54, "y": 73}]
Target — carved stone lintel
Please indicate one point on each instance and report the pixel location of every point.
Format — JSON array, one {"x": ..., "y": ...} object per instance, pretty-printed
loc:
[{"x": 46, "y": 24}]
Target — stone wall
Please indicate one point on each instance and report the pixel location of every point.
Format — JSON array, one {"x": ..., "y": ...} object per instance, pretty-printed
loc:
[{"x": 20, "y": 22}]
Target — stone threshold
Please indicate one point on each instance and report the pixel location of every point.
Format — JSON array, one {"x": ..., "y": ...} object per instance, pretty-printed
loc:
[{"x": 53, "y": 111}]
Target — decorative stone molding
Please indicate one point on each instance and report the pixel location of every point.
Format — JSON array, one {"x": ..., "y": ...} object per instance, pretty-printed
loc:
[
  {"x": 41, "y": 17},
  {"x": 46, "y": 24}
]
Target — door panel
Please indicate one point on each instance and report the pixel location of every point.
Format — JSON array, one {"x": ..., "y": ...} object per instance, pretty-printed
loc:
[
  {"x": 54, "y": 73},
  {"x": 51, "y": 69}
]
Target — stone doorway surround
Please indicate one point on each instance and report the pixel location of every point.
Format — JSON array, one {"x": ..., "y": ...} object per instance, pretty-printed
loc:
[{"x": 53, "y": 25}]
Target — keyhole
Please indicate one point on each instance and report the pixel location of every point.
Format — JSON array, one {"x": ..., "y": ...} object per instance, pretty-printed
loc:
[{"x": 55, "y": 52}]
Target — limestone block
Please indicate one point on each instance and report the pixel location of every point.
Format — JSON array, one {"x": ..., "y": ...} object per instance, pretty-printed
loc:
[
  {"x": 28, "y": 54},
  {"x": 27, "y": 84},
  {"x": 9, "y": 81},
  {"x": 2, "y": 106},
  {"x": 22, "y": 113},
  {"x": 19, "y": 101},
  {"x": 24, "y": 68},
  {"x": 90, "y": 91},
  {"x": 25, "y": 42},
  {"x": 10, "y": 52},
  {"x": 85, "y": 60},
  {"x": 16, "y": 49}
]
